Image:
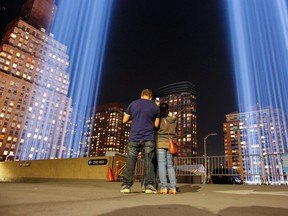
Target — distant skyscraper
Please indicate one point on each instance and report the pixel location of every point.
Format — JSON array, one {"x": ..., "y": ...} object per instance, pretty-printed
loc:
[
  {"x": 35, "y": 110},
  {"x": 39, "y": 13},
  {"x": 105, "y": 131},
  {"x": 181, "y": 97},
  {"x": 261, "y": 132}
]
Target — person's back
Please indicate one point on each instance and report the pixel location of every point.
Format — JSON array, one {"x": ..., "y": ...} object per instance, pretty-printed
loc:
[
  {"x": 169, "y": 127},
  {"x": 143, "y": 114}
]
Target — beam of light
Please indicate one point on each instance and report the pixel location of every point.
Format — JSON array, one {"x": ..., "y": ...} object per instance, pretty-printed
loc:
[
  {"x": 259, "y": 42},
  {"x": 82, "y": 25}
]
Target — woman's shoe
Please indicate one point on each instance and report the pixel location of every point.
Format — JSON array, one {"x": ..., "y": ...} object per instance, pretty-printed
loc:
[
  {"x": 172, "y": 191},
  {"x": 163, "y": 191}
]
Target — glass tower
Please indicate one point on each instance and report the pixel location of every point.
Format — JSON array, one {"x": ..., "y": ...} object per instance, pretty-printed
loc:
[
  {"x": 181, "y": 97},
  {"x": 254, "y": 137}
]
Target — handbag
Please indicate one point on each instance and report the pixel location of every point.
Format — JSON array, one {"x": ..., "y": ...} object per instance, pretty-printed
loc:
[{"x": 173, "y": 145}]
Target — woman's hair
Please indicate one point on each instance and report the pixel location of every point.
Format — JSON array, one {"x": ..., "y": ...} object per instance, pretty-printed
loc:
[{"x": 164, "y": 110}]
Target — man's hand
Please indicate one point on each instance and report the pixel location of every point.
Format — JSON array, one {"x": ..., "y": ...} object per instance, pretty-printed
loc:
[{"x": 126, "y": 119}]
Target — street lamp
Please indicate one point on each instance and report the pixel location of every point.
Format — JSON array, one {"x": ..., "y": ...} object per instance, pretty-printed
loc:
[{"x": 205, "y": 155}]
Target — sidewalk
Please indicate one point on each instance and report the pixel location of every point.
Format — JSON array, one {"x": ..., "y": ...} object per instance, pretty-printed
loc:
[{"x": 71, "y": 197}]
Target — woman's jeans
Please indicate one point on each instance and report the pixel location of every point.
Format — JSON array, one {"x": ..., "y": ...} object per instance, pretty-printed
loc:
[
  {"x": 165, "y": 164},
  {"x": 133, "y": 149}
]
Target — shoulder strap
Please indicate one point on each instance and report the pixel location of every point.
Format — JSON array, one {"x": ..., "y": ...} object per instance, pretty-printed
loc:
[{"x": 167, "y": 127}]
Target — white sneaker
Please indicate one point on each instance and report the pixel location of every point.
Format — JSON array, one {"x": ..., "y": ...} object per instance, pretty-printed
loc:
[
  {"x": 150, "y": 189},
  {"x": 125, "y": 189}
]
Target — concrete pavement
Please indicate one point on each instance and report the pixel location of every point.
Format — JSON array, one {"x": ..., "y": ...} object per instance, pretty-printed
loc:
[{"x": 80, "y": 197}]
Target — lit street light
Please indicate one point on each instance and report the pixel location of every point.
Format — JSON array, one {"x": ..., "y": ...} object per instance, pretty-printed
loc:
[{"x": 205, "y": 155}]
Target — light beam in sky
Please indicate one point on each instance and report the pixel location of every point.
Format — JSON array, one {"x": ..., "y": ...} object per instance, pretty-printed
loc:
[
  {"x": 258, "y": 32},
  {"x": 83, "y": 25}
]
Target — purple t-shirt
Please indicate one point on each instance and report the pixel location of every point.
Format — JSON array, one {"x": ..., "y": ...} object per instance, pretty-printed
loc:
[{"x": 143, "y": 114}]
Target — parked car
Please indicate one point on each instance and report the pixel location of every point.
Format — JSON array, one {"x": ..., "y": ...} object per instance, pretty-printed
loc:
[{"x": 226, "y": 176}]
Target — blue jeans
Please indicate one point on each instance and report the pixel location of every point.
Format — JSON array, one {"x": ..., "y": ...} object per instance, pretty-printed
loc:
[
  {"x": 133, "y": 149},
  {"x": 155, "y": 164},
  {"x": 165, "y": 164}
]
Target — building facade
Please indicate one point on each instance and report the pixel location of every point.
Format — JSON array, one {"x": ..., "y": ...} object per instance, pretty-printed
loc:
[
  {"x": 254, "y": 141},
  {"x": 35, "y": 109},
  {"x": 181, "y": 97},
  {"x": 39, "y": 13},
  {"x": 106, "y": 131}
]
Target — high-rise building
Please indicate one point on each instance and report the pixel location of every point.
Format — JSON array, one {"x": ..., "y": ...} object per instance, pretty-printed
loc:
[
  {"x": 35, "y": 110},
  {"x": 39, "y": 13},
  {"x": 181, "y": 97},
  {"x": 254, "y": 137},
  {"x": 106, "y": 131}
]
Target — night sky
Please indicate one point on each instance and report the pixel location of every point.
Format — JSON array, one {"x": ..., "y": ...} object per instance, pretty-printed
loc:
[{"x": 154, "y": 43}]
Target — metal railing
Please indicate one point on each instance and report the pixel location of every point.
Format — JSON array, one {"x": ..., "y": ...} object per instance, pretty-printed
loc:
[{"x": 253, "y": 169}]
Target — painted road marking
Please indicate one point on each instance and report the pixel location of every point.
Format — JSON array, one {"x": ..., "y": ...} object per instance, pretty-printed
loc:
[{"x": 247, "y": 192}]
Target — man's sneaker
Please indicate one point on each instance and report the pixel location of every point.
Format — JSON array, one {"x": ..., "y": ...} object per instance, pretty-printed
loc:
[
  {"x": 150, "y": 189},
  {"x": 125, "y": 189}
]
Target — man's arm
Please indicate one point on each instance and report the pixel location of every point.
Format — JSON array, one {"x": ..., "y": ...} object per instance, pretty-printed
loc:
[
  {"x": 126, "y": 119},
  {"x": 156, "y": 122}
]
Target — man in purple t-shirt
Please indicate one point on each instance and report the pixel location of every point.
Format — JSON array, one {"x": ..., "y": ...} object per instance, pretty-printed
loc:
[{"x": 143, "y": 114}]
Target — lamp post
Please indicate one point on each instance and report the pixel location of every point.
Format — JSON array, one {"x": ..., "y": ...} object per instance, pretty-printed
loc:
[{"x": 205, "y": 157}]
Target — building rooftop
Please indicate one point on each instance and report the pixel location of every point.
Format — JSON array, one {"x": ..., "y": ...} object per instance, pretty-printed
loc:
[{"x": 99, "y": 197}]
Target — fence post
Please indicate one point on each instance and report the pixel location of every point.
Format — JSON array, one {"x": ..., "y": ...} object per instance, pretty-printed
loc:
[
  {"x": 206, "y": 169},
  {"x": 263, "y": 176}
]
